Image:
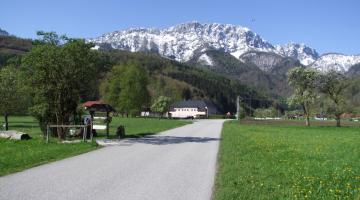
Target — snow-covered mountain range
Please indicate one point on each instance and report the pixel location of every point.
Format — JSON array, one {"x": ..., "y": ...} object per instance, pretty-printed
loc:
[
  {"x": 183, "y": 41},
  {"x": 335, "y": 61}
]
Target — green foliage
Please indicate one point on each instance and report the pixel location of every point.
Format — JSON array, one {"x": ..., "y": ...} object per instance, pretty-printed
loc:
[
  {"x": 288, "y": 162},
  {"x": 333, "y": 85},
  {"x": 186, "y": 94},
  {"x": 134, "y": 94},
  {"x": 12, "y": 48},
  {"x": 51, "y": 38},
  {"x": 160, "y": 85},
  {"x": 352, "y": 94},
  {"x": 110, "y": 87},
  {"x": 303, "y": 81},
  {"x": 175, "y": 77},
  {"x": 293, "y": 113},
  {"x": 13, "y": 93},
  {"x": 266, "y": 112},
  {"x": 126, "y": 88},
  {"x": 161, "y": 104},
  {"x": 59, "y": 76}
]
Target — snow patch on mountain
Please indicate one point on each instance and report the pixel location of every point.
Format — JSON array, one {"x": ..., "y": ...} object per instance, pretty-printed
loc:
[
  {"x": 301, "y": 52},
  {"x": 335, "y": 61},
  {"x": 206, "y": 60}
]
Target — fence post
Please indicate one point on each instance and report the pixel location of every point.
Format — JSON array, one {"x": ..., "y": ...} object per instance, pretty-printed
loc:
[{"x": 84, "y": 134}]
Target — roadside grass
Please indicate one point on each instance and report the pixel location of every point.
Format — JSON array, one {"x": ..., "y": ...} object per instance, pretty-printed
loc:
[
  {"x": 288, "y": 162},
  {"x": 300, "y": 122},
  {"x": 19, "y": 155},
  {"x": 137, "y": 127}
]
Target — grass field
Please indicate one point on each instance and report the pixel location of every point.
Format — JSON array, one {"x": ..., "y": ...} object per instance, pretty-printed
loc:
[
  {"x": 288, "y": 162},
  {"x": 144, "y": 126},
  {"x": 301, "y": 122},
  {"x": 19, "y": 155}
]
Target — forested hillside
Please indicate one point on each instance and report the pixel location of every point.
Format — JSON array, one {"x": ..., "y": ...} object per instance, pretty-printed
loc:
[
  {"x": 182, "y": 81},
  {"x": 12, "y": 47},
  {"x": 263, "y": 71}
]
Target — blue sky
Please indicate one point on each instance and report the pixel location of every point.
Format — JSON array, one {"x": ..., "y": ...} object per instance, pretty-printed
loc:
[{"x": 328, "y": 26}]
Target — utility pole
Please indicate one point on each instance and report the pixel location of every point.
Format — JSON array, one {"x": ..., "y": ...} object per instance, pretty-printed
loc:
[{"x": 238, "y": 108}]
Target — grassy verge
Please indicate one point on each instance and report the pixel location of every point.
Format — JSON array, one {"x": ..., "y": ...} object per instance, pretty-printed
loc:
[
  {"x": 288, "y": 162},
  {"x": 299, "y": 122},
  {"x": 19, "y": 155},
  {"x": 144, "y": 126}
]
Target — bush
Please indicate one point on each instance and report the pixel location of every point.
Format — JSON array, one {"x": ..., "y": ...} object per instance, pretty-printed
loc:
[{"x": 266, "y": 112}]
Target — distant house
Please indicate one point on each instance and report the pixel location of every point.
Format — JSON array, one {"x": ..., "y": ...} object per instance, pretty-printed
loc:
[{"x": 192, "y": 109}]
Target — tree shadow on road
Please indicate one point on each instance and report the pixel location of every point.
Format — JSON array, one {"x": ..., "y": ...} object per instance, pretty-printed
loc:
[
  {"x": 165, "y": 140},
  {"x": 139, "y": 135}
]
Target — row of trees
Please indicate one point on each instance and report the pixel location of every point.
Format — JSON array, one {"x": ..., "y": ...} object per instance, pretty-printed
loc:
[
  {"x": 125, "y": 87},
  {"x": 311, "y": 87}
]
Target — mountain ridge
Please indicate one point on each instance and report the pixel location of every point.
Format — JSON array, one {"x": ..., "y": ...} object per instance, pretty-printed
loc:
[{"x": 180, "y": 42}]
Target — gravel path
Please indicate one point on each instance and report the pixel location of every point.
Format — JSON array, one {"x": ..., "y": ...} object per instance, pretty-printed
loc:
[{"x": 177, "y": 164}]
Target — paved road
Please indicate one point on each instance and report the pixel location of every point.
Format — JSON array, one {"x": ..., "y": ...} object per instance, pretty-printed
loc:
[{"x": 177, "y": 164}]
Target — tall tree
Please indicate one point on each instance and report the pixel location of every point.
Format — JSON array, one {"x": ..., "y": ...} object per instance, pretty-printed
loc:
[
  {"x": 134, "y": 94},
  {"x": 126, "y": 88},
  {"x": 303, "y": 81},
  {"x": 333, "y": 85},
  {"x": 110, "y": 87},
  {"x": 161, "y": 105},
  {"x": 59, "y": 71},
  {"x": 13, "y": 96}
]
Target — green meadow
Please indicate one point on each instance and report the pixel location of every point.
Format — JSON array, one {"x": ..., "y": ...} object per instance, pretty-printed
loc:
[{"x": 288, "y": 162}]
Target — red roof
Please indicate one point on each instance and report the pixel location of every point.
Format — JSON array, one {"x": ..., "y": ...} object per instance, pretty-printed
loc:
[
  {"x": 98, "y": 106},
  {"x": 91, "y": 103}
]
